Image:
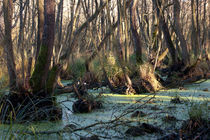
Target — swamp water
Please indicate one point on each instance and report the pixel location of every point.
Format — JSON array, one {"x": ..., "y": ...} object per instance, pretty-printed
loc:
[{"x": 156, "y": 108}]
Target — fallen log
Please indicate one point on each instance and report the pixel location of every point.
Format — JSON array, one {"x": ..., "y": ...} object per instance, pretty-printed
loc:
[{"x": 67, "y": 89}]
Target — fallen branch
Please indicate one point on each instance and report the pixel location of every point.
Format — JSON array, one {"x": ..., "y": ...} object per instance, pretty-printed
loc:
[{"x": 67, "y": 89}]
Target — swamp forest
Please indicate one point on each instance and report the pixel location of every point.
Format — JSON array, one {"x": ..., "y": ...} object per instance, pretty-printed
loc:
[{"x": 104, "y": 69}]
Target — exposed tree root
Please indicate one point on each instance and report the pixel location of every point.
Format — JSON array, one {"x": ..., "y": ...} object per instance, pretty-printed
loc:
[
  {"x": 88, "y": 81},
  {"x": 142, "y": 129},
  {"x": 180, "y": 76},
  {"x": 85, "y": 105},
  {"x": 21, "y": 108},
  {"x": 148, "y": 81},
  {"x": 145, "y": 80},
  {"x": 191, "y": 130}
]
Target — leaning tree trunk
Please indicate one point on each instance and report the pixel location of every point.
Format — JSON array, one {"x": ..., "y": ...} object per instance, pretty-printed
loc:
[
  {"x": 8, "y": 47},
  {"x": 103, "y": 41},
  {"x": 164, "y": 26},
  {"x": 39, "y": 79}
]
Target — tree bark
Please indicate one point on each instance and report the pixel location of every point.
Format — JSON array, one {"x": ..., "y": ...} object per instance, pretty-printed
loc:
[
  {"x": 39, "y": 77},
  {"x": 178, "y": 31},
  {"x": 21, "y": 39},
  {"x": 58, "y": 28},
  {"x": 40, "y": 5},
  {"x": 8, "y": 47},
  {"x": 194, "y": 35},
  {"x": 164, "y": 26},
  {"x": 136, "y": 37},
  {"x": 120, "y": 52}
]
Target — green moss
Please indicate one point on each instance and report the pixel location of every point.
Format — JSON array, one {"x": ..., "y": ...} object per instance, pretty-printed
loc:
[
  {"x": 4, "y": 81},
  {"x": 36, "y": 78},
  {"x": 139, "y": 60},
  {"x": 51, "y": 79}
]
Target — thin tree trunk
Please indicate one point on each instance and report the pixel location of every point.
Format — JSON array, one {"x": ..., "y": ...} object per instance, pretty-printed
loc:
[
  {"x": 194, "y": 35},
  {"x": 67, "y": 53},
  {"x": 126, "y": 32},
  {"x": 205, "y": 31},
  {"x": 58, "y": 29},
  {"x": 21, "y": 38},
  {"x": 40, "y": 5},
  {"x": 106, "y": 37}
]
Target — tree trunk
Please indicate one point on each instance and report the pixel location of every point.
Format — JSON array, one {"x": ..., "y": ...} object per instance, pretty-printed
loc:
[
  {"x": 136, "y": 37},
  {"x": 8, "y": 47},
  {"x": 39, "y": 77},
  {"x": 164, "y": 26},
  {"x": 205, "y": 31},
  {"x": 40, "y": 5},
  {"x": 194, "y": 35},
  {"x": 106, "y": 37},
  {"x": 178, "y": 31},
  {"x": 21, "y": 46},
  {"x": 129, "y": 89},
  {"x": 145, "y": 70},
  {"x": 58, "y": 28}
]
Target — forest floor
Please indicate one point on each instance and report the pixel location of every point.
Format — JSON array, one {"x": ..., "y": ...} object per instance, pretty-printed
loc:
[{"x": 121, "y": 115}]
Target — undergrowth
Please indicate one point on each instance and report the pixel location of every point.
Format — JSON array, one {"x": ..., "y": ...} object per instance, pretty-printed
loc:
[
  {"x": 4, "y": 79},
  {"x": 198, "y": 111},
  {"x": 77, "y": 68}
]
